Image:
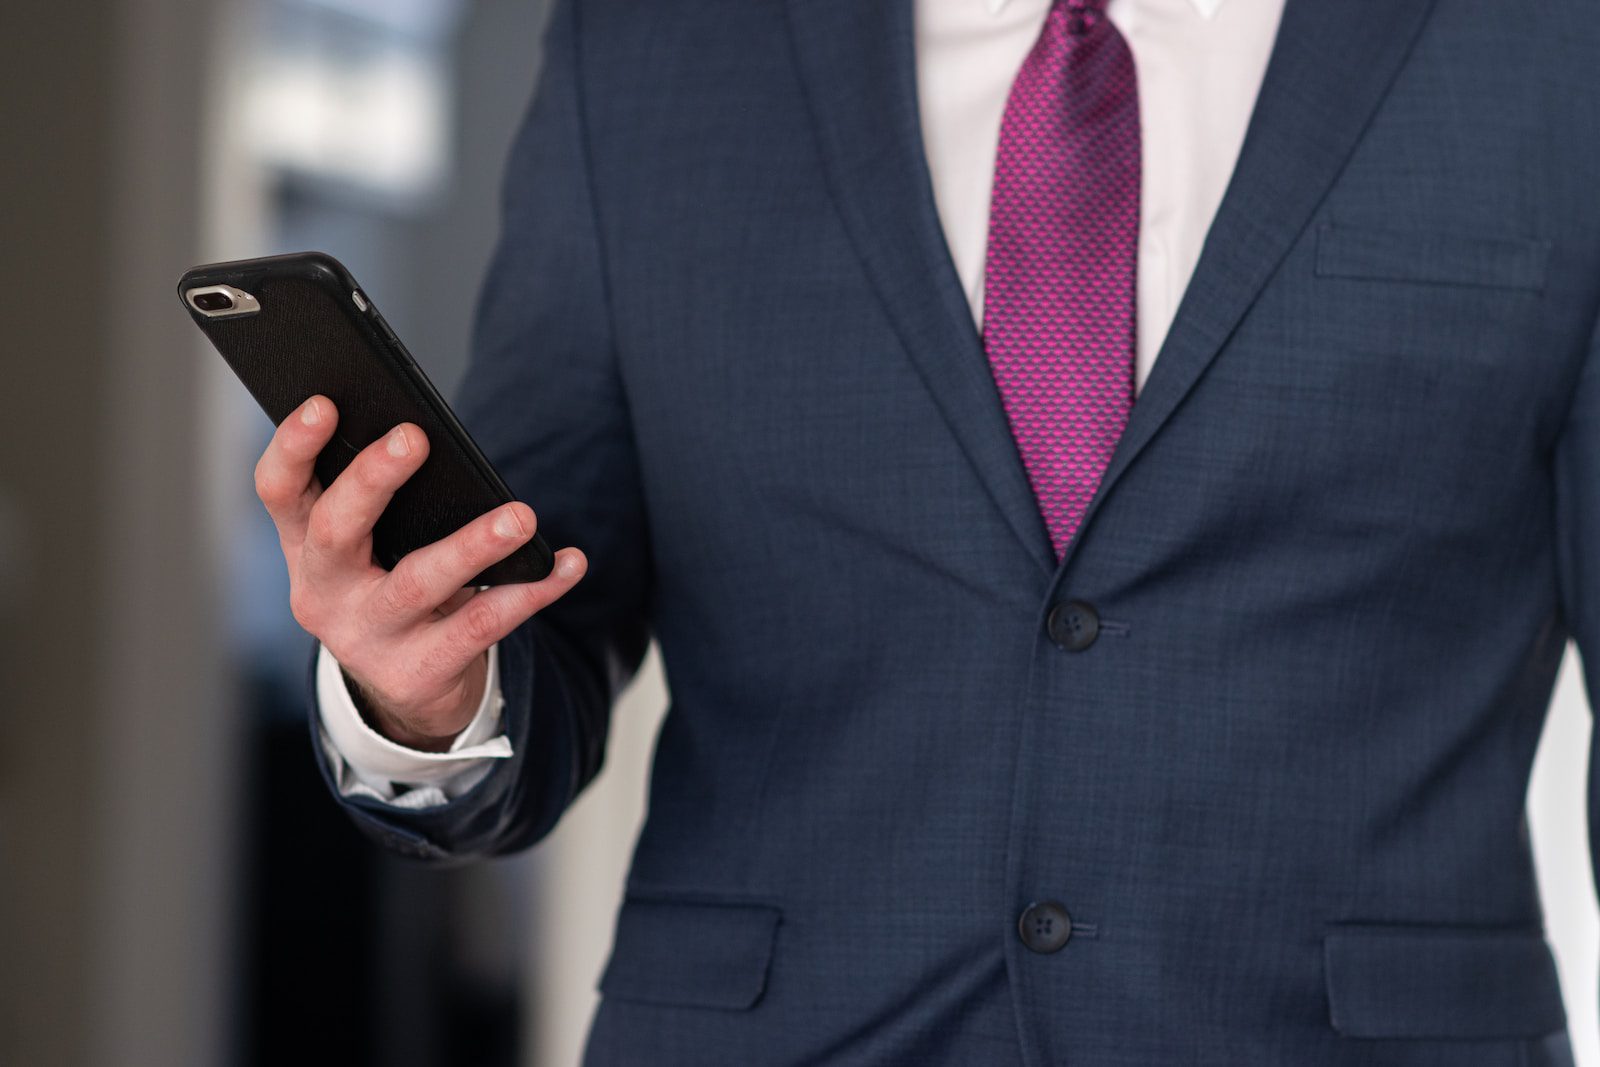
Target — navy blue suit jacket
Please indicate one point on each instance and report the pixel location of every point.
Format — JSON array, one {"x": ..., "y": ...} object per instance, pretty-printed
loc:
[{"x": 1333, "y": 565}]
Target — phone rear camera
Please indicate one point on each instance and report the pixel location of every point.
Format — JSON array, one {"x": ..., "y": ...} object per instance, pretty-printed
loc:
[{"x": 213, "y": 301}]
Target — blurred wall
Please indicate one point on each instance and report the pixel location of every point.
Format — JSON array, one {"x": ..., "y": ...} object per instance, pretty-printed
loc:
[
  {"x": 53, "y": 566},
  {"x": 113, "y": 742}
]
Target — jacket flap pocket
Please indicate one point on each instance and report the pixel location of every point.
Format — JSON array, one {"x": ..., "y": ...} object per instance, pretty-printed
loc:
[
  {"x": 1440, "y": 258},
  {"x": 1441, "y": 982},
  {"x": 691, "y": 953}
]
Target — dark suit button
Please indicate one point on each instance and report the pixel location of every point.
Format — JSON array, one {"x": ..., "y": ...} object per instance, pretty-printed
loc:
[
  {"x": 1045, "y": 927},
  {"x": 1073, "y": 625}
]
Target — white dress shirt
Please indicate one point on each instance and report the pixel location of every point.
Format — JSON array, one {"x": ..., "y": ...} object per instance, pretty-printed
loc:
[{"x": 1200, "y": 65}]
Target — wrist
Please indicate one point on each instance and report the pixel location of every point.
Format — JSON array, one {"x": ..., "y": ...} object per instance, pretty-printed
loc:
[{"x": 414, "y": 731}]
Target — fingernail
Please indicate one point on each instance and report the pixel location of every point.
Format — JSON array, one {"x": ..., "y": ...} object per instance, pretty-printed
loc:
[
  {"x": 567, "y": 567},
  {"x": 506, "y": 524},
  {"x": 311, "y": 414},
  {"x": 398, "y": 445}
]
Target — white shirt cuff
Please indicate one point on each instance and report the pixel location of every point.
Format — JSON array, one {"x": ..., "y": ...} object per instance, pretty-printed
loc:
[{"x": 368, "y": 764}]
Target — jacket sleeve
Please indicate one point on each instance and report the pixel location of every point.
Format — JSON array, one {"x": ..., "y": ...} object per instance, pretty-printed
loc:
[
  {"x": 543, "y": 399},
  {"x": 1577, "y": 489}
]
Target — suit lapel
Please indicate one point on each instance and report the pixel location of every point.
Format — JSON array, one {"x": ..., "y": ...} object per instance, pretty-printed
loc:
[
  {"x": 1331, "y": 65},
  {"x": 857, "y": 60}
]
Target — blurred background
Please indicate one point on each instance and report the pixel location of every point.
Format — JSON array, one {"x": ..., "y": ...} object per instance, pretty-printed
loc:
[{"x": 175, "y": 885}]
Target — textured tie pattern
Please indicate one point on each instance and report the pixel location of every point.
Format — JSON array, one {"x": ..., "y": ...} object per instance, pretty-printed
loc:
[{"x": 1063, "y": 245}]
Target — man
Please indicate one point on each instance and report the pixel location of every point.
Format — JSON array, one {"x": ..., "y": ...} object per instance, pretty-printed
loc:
[{"x": 1016, "y": 721}]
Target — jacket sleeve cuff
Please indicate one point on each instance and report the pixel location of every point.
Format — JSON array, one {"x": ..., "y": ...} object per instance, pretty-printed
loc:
[{"x": 367, "y": 764}]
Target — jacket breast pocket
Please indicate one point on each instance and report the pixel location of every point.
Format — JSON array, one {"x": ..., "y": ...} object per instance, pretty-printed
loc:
[
  {"x": 690, "y": 952},
  {"x": 1434, "y": 258},
  {"x": 1444, "y": 982}
]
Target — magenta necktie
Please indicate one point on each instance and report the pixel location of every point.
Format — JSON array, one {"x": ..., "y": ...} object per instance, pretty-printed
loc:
[{"x": 1063, "y": 244}]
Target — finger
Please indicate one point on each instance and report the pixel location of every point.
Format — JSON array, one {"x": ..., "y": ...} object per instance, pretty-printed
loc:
[
  {"x": 494, "y": 613},
  {"x": 458, "y": 598},
  {"x": 339, "y": 527},
  {"x": 427, "y": 578},
  {"x": 285, "y": 476}
]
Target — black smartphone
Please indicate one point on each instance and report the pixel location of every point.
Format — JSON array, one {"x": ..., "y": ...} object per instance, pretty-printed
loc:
[{"x": 295, "y": 326}]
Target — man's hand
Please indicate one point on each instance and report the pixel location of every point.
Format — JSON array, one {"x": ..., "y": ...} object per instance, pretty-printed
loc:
[{"x": 415, "y": 639}]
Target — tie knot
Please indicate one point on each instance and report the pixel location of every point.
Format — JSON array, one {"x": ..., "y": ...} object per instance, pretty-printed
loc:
[{"x": 1081, "y": 15}]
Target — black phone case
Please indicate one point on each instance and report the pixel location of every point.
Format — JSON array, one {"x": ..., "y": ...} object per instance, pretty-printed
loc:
[{"x": 313, "y": 335}]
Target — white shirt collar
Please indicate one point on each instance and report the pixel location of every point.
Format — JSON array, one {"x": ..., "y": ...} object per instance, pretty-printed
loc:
[{"x": 1206, "y": 8}]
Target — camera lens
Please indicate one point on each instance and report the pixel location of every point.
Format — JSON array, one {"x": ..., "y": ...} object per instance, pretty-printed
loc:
[{"x": 213, "y": 301}]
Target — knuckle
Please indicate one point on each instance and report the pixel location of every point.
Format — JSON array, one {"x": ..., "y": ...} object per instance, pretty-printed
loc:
[
  {"x": 368, "y": 474},
  {"x": 404, "y": 591},
  {"x": 323, "y": 526},
  {"x": 480, "y": 621},
  {"x": 360, "y": 475},
  {"x": 266, "y": 484},
  {"x": 305, "y": 606},
  {"x": 473, "y": 550},
  {"x": 526, "y": 600}
]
